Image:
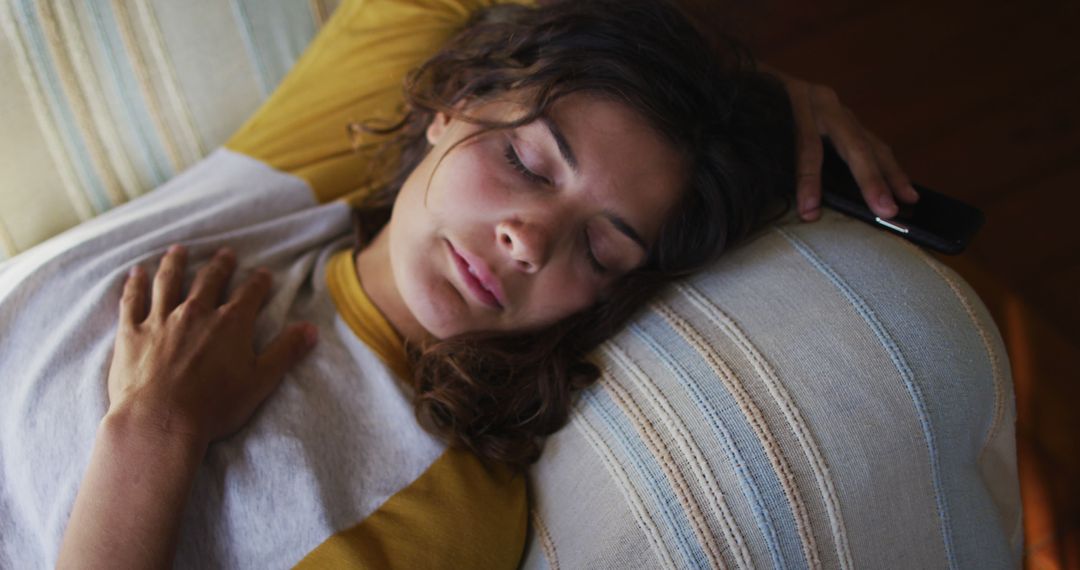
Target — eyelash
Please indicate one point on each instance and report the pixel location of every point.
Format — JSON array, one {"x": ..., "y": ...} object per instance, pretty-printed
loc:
[{"x": 515, "y": 162}]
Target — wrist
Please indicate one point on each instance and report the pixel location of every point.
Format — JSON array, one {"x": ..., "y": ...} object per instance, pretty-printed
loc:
[
  {"x": 140, "y": 429},
  {"x": 132, "y": 498}
]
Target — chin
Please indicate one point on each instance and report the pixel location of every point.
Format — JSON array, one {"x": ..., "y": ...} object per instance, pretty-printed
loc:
[{"x": 439, "y": 311}]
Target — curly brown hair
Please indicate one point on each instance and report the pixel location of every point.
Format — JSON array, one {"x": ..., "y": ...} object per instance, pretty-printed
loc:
[{"x": 497, "y": 394}]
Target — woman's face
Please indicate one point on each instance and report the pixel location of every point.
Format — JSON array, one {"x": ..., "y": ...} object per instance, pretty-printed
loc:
[{"x": 518, "y": 229}]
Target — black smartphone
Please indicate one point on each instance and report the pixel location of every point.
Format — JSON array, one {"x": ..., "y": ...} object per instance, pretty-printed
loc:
[{"x": 936, "y": 221}]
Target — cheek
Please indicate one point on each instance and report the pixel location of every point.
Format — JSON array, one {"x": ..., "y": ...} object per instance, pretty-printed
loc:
[
  {"x": 471, "y": 180},
  {"x": 419, "y": 274},
  {"x": 416, "y": 265},
  {"x": 560, "y": 294}
]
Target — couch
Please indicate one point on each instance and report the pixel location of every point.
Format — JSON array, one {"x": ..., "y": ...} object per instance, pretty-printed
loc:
[{"x": 827, "y": 395}]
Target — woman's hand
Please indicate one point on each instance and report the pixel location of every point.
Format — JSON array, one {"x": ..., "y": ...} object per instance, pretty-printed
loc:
[
  {"x": 188, "y": 367},
  {"x": 184, "y": 373},
  {"x": 819, "y": 112}
]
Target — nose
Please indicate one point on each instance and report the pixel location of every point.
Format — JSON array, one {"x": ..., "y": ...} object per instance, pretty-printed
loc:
[{"x": 526, "y": 243}]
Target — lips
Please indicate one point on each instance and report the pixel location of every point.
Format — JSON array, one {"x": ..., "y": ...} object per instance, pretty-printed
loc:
[{"x": 478, "y": 278}]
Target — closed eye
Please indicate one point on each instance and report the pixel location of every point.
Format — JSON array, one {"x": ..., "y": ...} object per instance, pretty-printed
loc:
[
  {"x": 512, "y": 158},
  {"x": 595, "y": 263}
]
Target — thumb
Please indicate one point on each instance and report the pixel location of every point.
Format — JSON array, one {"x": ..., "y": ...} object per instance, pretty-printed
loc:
[{"x": 285, "y": 351}]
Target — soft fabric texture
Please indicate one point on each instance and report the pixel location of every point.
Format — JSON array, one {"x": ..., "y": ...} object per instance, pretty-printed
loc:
[
  {"x": 826, "y": 396},
  {"x": 103, "y": 101},
  {"x": 337, "y": 442}
]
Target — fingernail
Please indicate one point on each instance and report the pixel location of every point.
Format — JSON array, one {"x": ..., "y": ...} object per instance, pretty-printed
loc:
[
  {"x": 176, "y": 249},
  {"x": 134, "y": 271},
  {"x": 227, "y": 253},
  {"x": 887, "y": 206},
  {"x": 808, "y": 210}
]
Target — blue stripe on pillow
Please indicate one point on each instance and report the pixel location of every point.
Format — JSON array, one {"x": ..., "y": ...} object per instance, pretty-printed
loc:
[
  {"x": 274, "y": 37},
  {"x": 898, "y": 359},
  {"x": 747, "y": 480},
  {"x": 720, "y": 410},
  {"x": 794, "y": 422},
  {"x": 59, "y": 107},
  {"x": 684, "y": 456},
  {"x": 633, "y": 453},
  {"x": 128, "y": 106}
]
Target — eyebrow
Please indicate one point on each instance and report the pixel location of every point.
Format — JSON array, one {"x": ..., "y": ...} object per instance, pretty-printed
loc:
[
  {"x": 571, "y": 160},
  {"x": 560, "y": 141}
]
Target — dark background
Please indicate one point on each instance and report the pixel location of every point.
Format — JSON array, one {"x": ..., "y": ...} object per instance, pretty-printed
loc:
[{"x": 981, "y": 101}]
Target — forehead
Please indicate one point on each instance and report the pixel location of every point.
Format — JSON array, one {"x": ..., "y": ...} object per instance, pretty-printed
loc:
[{"x": 623, "y": 161}]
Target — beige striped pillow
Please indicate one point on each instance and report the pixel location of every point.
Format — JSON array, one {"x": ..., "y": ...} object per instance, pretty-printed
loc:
[{"x": 826, "y": 396}]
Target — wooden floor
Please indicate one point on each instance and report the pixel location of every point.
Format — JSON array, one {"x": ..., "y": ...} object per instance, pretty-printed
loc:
[{"x": 979, "y": 100}]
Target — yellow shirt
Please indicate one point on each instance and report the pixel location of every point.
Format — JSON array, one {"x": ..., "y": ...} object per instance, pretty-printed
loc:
[
  {"x": 362, "y": 316},
  {"x": 457, "y": 513}
]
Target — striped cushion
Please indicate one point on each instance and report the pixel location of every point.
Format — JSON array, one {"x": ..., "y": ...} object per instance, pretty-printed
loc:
[
  {"x": 827, "y": 396},
  {"x": 104, "y": 101}
]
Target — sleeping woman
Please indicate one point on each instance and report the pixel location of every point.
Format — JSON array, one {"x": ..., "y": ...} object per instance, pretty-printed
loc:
[{"x": 558, "y": 165}]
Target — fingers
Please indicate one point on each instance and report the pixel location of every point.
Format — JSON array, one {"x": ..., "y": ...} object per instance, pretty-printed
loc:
[
  {"x": 168, "y": 281},
  {"x": 897, "y": 178},
  {"x": 857, "y": 151},
  {"x": 817, "y": 111},
  {"x": 287, "y": 349},
  {"x": 212, "y": 278},
  {"x": 133, "y": 299},
  {"x": 809, "y": 153},
  {"x": 248, "y": 298}
]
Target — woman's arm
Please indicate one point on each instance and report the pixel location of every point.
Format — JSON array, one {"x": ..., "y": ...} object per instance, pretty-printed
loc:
[
  {"x": 183, "y": 374},
  {"x": 132, "y": 497}
]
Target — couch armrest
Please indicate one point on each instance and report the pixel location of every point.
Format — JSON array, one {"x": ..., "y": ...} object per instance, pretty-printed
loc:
[{"x": 826, "y": 395}]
